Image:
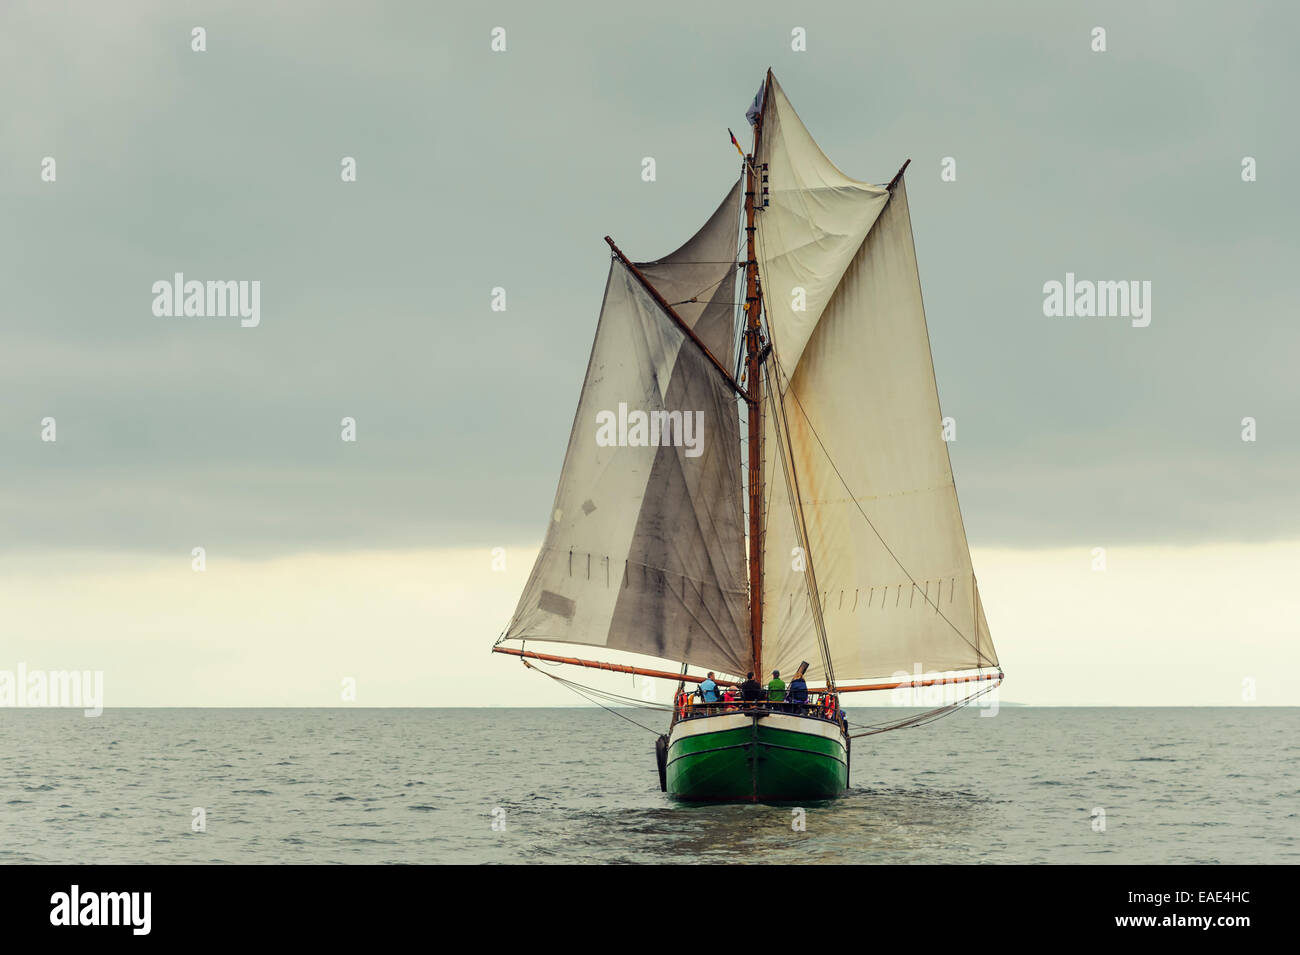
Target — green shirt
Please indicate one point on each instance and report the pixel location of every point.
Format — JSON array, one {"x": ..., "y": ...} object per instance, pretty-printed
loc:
[{"x": 776, "y": 689}]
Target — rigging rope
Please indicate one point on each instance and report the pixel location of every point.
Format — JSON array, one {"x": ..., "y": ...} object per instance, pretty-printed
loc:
[
  {"x": 785, "y": 454},
  {"x": 920, "y": 719},
  {"x": 869, "y": 729},
  {"x": 710, "y": 286},
  {"x": 578, "y": 689}
]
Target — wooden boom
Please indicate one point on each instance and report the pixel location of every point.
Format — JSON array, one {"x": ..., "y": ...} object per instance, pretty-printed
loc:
[
  {"x": 688, "y": 678},
  {"x": 863, "y": 687},
  {"x": 615, "y": 667}
]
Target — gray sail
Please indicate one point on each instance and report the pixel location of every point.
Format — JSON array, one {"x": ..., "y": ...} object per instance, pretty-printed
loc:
[
  {"x": 645, "y": 548},
  {"x": 699, "y": 279}
]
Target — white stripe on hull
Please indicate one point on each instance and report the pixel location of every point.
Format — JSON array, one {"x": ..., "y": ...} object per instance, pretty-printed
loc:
[{"x": 707, "y": 724}]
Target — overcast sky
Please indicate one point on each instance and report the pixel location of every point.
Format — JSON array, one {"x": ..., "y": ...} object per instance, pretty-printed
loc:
[{"x": 478, "y": 169}]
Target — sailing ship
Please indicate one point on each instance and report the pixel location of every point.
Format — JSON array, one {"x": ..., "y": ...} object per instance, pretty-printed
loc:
[{"x": 756, "y": 481}]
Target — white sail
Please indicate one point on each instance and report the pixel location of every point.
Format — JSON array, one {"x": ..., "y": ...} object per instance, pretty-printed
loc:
[
  {"x": 862, "y": 438},
  {"x": 645, "y": 549},
  {"x": 815, "y": 220}
]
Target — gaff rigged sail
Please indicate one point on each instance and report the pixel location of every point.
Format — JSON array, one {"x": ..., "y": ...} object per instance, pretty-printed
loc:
[{"x": 645, "y": 551}]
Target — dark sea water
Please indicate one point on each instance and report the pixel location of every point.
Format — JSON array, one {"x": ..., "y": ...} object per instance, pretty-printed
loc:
[{"x": 573, "y": 785}]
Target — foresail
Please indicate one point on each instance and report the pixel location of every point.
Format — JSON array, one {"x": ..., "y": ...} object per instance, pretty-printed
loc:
[
  {"x": 864, "y": 441},
  {"x": 815, "y": 220},
  {"x": 645, "y": 549}
]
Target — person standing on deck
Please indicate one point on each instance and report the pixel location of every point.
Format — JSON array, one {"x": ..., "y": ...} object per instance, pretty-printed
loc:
[
  {"x": 750, "y": 690},
  {"x": 776, "y": 688},
  {"x": 798, "y": 691},
  {"x": 709, "y": 689}
]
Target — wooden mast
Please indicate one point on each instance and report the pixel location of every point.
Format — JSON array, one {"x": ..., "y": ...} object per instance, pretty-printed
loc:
[{"x": 753, "y": 346}]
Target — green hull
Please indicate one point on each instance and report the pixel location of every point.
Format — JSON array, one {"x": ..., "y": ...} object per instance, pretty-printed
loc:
[{"x": 751, "y": 758}]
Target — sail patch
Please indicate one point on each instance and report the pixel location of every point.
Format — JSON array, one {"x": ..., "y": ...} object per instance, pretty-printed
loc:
[{"x": 552, "y": 602}]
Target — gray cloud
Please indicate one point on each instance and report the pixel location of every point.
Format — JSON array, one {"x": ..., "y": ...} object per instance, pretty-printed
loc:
[{"x": 480, "y": 170}]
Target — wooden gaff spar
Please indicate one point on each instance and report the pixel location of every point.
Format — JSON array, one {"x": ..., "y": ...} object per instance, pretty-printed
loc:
[{"x": 838, "y": 540}]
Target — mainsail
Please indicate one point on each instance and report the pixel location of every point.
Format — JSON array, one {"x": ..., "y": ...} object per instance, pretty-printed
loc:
[
  {"x": 862, "y": 504},
  {"x": 646, "y": 547}
]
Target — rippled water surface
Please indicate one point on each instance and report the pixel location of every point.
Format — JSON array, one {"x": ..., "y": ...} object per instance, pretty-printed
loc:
[{"x": 573, "y": 785}]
